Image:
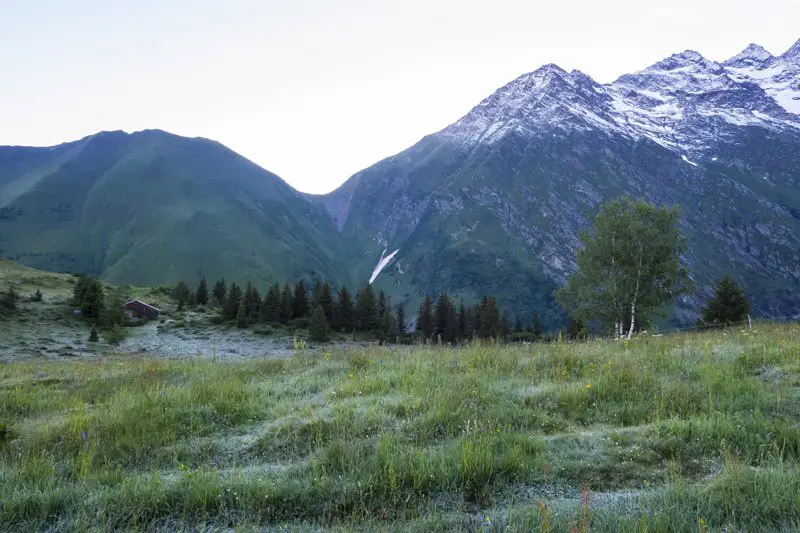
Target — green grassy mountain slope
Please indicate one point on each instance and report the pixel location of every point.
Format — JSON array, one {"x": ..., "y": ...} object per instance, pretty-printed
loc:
[{"x": 151, "y": 208}]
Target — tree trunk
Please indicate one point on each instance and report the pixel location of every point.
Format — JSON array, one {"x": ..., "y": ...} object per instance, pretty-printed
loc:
[
  {"x": 636, "y": 293},
  {"x": 633, "y": 319}
]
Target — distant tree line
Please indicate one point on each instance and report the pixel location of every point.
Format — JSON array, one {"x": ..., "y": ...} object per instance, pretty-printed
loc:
[
  {"x": 319, "y": 308},
  {"x": 629, "y": 270}
]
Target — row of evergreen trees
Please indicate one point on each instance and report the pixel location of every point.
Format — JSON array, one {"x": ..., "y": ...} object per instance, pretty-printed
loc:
[
  {"x": 289, "y": 304},
  {"x": 321, "y": 309}
]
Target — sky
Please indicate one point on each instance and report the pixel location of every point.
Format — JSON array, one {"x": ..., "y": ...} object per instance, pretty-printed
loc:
[{"x": 316, "y": 90}]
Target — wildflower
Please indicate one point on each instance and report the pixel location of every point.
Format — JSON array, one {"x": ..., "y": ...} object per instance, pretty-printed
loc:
[
  {"x": 350, "y": 376},
  {"x": 588, "y": 385}
]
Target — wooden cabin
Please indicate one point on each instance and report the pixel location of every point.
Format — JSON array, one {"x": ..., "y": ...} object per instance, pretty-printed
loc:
[{"x": 139, "y": 309}]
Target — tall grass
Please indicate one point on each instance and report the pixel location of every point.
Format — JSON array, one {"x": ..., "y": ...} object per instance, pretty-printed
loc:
[{"x": 675, "y": 433}]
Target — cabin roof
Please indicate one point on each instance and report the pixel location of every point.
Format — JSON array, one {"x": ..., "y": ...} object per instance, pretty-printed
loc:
[{"x": 154, "y": 308}]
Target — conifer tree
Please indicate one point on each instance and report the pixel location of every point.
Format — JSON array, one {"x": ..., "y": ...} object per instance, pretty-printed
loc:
[
  {"x": 9, "y": 299},
  {"x": 301, "y": 309},
  {"x": 440, "y": 317},
  {"x": 472, "y": 323},
  {"x": 232, "y": 302},
  {"x": 252, "y": 302},
  {"x": 319, "y": 330},
  {"x": 505, "y": 327},
  {"x": 93, "y": 337},
  {"x": 576, "y": 329},
  {"x": 381, "y": 304},
  {"x": 241, "y": 312},
  {"x": 389, "y": 326},
  {"x": 81, "y": 287},
  {"x": 425, "y": 321},
  {"x": 181, "y": 293},
  {"x": 488, "y": 318},
  {"x": 343, "y": 311},
  {"x": 271, "y": 308},
  {"x": 316, "y": 294},
  {"x": 367, "y": 309},
  {"x": 202, "y": 292},
  {"x": 463, "y": 332},
  {"x": 37, "y": 296},
  {"x": 93, "y": 300},
  {"x": 536, "y": 328},
  {"x": 518, "y": 325},
  {"x": 287, "y": 304},
  {"x": 451, "y": 331},
  {"x": 326, "y": 301},
  {"x": 401, "y": 320},
  {"x": 220, "y": 292},
  {"x": 729, "y": 304}
]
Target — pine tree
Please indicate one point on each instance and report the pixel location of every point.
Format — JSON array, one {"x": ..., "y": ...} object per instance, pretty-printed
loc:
[
  {"x": 463, "y": 327},
  {"x": 287, "y": 304},
  {"x": 271, "y": 308},
  {"x": 505, "y": 326},
  {"x": 181, "y": 293},
  {"x": 518, "y": 325},
  {"x": 316, "y": 294},
  {"x": 93, "y": 300},
  {"x": 232, "y": 302},
  {"x": 241, "y": 312},
  {"x": 441, "y": 317},
  {"x": 220, "y": 292},
  {"x": 389, "y": 327},
  {"x": 451, "y": 331},
  {"x": 488, "y": 318},
  {"x": 318, "y": 329},
  {"x": 729, "y": 304},
  {"x": 81, "y": 287},
  {"x": 367, "y": 309},
  {"x": 37, "y": 296},
  {"x": 252, "y": 303},
  {"x": 201, "y": 296},
  {"x": 401, "y": 320},
  {"x": 536, "y": 329},
  {"x": 343, "y": 311},
  {"x": 472, "y": 323},
  {"x": 576, "y": 329},
  {"x": 425, "y": 322},
  {"x": 381, "y": 304},
  {"x": 326, "y": 301},
  {"x": 93, "y": 337},
  {"x": 9, "y": 299},
  {"x": 301, "y": 309}
]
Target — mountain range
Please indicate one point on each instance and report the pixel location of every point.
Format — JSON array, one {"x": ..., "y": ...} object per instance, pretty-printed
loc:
[{"x": 491, "y": 204}]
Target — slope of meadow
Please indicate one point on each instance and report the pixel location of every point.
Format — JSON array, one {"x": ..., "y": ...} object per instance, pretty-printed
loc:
[{"x": 688, "y": 432}]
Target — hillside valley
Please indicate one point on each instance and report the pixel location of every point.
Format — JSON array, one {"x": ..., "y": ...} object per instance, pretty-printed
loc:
[{"x": 492, "y": 204}]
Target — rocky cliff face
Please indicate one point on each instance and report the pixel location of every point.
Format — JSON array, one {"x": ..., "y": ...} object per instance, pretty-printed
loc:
[{"x": 495, "y": 202}]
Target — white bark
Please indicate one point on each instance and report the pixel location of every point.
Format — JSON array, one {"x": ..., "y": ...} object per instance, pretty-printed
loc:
[{"x": 636, "y": 293}]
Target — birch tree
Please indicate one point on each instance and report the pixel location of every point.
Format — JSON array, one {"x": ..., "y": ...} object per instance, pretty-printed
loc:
[{"x": 629, "y": 266}]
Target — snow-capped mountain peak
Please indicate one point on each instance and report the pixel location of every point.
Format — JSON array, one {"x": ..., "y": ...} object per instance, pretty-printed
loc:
[
  {"x": 793, "y": 53},
  {"x": 682, "y": 102},
  {"x": 754, "y": 54}
]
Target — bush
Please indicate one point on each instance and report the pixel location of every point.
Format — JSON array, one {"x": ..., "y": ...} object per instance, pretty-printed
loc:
[
  {"x": 299, "y": 323},
  {"x": 319, "y": 330},
  {"x": 264, "y": 330},
  {"x": 115, "y": 335}
]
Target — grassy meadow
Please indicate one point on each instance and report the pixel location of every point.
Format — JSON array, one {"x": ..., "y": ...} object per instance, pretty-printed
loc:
[{"x": 690, "y": 432}]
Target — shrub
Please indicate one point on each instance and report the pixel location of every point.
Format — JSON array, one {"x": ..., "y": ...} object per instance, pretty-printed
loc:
[{"x": 300, "y": 323}]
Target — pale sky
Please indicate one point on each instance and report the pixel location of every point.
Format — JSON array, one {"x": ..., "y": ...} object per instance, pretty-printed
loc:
[{"x": 316, "y": 90}]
